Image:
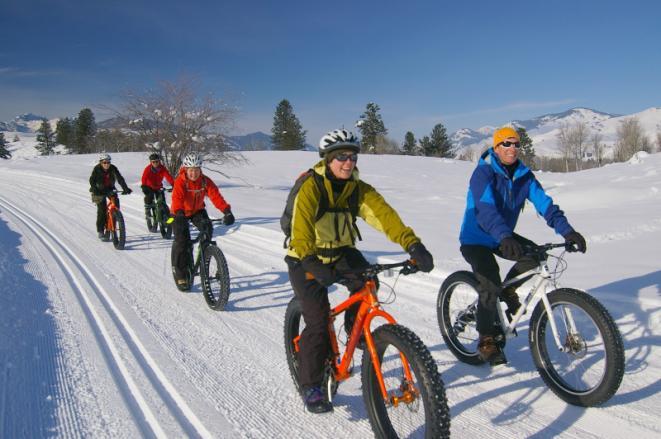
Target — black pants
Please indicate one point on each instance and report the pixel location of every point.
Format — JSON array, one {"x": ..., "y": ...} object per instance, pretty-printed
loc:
[
  {"x": 180, "y": 249},
  {"x": 485, "y": 267},
  {"x": 150, "y": 195},
  {"x": 315, "y": 342},
  {"x": 101, "y": 213}
]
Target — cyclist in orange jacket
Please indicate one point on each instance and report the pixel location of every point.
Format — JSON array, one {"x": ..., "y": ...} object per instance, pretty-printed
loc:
[{"x": 190, "y": 189}]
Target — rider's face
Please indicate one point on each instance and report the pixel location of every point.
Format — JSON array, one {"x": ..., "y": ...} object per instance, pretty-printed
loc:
[
  {"x": 193, "y": 173},
  {"x": 342, "y": 170},
  {"x": 507, "y": 155}
]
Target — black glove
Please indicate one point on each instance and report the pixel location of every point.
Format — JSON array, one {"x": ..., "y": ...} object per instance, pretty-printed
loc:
[
  {"x": 511, "y": 249},
  {"x": 127, "y": 191},
  {"x": 423, "y": 259},
  {"x": 575, "y": 239},
  {"x": 322, "y": 273},
  {"x": 228, "y": 219},
  {"x": 146, "y": 189}
]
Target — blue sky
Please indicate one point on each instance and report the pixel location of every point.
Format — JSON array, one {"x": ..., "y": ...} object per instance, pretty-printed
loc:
[{"x": 464, "y": 64}]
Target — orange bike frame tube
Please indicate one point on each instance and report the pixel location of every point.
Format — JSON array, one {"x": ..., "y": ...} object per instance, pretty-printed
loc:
[
  {"x": 369, "y": 309},
  {"x": 110, "y": 208}
]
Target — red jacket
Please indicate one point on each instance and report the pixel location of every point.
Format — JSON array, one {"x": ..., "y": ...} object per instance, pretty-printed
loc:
[
  {"x": 153, "y": 177},
  {"x": 189, "y": 195}
]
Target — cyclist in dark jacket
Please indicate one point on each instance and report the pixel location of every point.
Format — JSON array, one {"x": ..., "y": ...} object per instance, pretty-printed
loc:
[
  {"x": 102, "y": 183},
  {"x": 498, "y": 189}
]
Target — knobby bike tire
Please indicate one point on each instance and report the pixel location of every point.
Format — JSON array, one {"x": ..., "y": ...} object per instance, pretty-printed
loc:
[
  {"x": 543, "y": 348},
  {"x": 119, "y": 234},
  {"x": 293, "y": 319},
  {"x": 216, "y": 284},
  {"x": 462, "y": 344},
  {"x": 392, "y": 421},
  {"x": 151, "y": 219}
]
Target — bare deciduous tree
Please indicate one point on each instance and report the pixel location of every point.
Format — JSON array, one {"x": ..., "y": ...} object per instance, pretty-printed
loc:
[
  {"x": 176, "y": 118},
  {"x": 597, "y": 148},
  {"x": 579, "y": 134},
  {"x": 564, "y": 144},
  {"x": 630, "y": 139},
  {"x": 658, "y": 141},
  {"x": 385, "y": 145}
]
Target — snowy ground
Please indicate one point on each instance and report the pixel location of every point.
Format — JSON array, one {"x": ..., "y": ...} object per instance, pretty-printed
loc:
[{"x": 99, "y": 343}]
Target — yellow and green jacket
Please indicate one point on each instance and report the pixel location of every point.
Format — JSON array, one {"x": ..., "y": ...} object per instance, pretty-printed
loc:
[{"x": 334, "y": 230}]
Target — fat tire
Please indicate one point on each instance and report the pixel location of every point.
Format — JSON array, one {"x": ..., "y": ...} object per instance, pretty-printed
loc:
[
  {"x": 293, "y": 316},
  {"x": 463, "y": 354},
  {"x": 119, "y": 234},
  {"x": 613, "y": 345},
  {"x": 216, "y": 294},
  {"x": 423, "y": 367}
]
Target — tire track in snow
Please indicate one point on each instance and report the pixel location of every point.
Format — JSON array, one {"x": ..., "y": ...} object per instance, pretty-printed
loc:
[{"x": 179, "y": 408}]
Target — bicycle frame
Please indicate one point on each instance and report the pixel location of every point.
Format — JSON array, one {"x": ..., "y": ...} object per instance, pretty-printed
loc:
[
  {"x": 111, "y": 207},
  {"x": 369, "y": 310},
  {"x": 159, "y": 201},
  {"x": 542, "y": 277}
]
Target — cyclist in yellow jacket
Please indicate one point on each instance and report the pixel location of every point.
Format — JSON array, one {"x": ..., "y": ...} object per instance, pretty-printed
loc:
[{"x": 321, "y": 246}]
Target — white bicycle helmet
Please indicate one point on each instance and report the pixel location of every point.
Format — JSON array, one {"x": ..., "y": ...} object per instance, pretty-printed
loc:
[
  {"x": 104, "y": 156},
  {"x": 192, "y": 160},
  {"x": 338, "y": 139}
]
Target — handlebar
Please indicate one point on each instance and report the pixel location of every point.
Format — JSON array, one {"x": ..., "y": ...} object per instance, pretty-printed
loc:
[
  {"x": 408, "y": 267},
  {"x": 540, "y": 251}
]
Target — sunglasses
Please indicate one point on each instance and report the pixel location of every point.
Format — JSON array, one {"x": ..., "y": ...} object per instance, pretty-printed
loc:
[
  {"x": 105, "y": 162},
  {"x": 507, "y": 144},
  {"x": 345, "y": 157},
  {"x": 155, "y": 161}
]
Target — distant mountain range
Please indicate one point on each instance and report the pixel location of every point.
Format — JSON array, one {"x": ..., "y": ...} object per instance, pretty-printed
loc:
[{"x": 543, "y": 130}]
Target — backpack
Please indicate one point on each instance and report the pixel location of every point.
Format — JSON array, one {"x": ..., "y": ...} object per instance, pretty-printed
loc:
[{"x": 285, "y": 219}]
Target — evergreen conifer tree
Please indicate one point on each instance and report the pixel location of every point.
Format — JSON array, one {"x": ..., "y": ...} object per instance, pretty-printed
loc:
[
  {"x": 64, "y": 133},
  {"x": 46, "y": 138},
  {"x": 426, "y": 146},
  {"x": 4, "y": 152},
  {"x": 370, "y": 126},
  {"x": 527, "y": 153},
  {"x": 409, "y": 143},
  {"x": 287, "y": 133},
  {"x": 440, "y": 145},
  {"x": 85, "y": 131}
]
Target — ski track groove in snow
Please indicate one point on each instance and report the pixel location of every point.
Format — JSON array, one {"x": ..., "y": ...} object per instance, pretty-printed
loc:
[{"x": 63, "y": 254}]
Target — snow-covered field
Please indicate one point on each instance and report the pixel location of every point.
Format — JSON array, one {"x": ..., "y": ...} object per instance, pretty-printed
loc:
[{"x": 97, "y": 342}]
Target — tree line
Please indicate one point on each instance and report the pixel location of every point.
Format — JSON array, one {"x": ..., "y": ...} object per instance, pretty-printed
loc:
[{"x": 176, "y": 118}]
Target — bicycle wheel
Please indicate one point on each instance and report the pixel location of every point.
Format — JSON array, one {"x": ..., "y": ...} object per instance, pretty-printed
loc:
[
  {"x": 215, "y": 277},
  {"x": 456, "y": 310},
  {"x": 589, "y": 368},
  {"x": 119, "y": 234},
  {"x": 413, "y": 409},
  {"x": 293, "y": 327},
  {"x": 149, "y": 217}
]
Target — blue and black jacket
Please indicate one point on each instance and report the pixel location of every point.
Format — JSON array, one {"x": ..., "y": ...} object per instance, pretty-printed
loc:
[{"x": 495, "y": 200}]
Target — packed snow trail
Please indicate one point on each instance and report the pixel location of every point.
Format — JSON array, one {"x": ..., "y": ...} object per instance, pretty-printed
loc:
[{"x": 196, "y": 371}]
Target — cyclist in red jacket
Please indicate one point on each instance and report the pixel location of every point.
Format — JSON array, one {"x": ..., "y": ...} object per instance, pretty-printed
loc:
[
  {"x": 190, "y": 189},
  {"x": 152, "y": 182}
]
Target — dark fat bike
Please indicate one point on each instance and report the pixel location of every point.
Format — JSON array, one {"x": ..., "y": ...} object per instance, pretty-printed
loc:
[
  {"x": 576, "y": 346},
  {"x": 210, "y": 264},
  {"x": 158, "y": 213}
]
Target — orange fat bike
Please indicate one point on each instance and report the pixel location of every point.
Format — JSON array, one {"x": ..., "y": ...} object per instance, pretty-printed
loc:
[
  {"x": 115, "y": 229},
  {"x": 403, "y": 391}
]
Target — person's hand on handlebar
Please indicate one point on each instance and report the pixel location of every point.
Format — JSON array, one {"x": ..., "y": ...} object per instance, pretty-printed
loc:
[
  {"x": 574, "y": 241},
  {"x": 423, "y": 259},
  {"x": 323, "y": 274}
]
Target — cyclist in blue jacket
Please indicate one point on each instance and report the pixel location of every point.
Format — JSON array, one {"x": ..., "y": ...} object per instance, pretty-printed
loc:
[{"x": 498, "y": 189}]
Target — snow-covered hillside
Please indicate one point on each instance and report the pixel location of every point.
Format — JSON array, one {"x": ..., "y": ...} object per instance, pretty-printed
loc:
[
  {"x": 543, "y": 130},
  {"x": 99, "y": 343}
]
